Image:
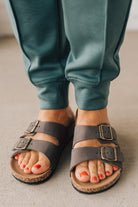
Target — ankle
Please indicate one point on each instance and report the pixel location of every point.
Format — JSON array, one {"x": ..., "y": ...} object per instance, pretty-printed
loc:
[
  {"x": 92, "y": 117},
  {"x": 63, "y": 116}
]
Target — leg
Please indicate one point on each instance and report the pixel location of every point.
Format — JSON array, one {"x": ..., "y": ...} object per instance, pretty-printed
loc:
[
  {"x": 95, "y": 37},
  {"x": 39, "y": 29}
]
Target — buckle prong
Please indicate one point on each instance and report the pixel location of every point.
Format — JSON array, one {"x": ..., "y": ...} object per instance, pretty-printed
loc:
[{"x": 103, "y": 154}]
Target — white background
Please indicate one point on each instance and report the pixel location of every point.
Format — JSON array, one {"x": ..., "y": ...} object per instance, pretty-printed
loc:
[
  {"x": 5, "y": 27},
  {"x": 133, "y": 20}
]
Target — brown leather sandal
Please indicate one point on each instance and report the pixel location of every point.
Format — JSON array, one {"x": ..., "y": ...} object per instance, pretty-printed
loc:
[
  {"x": 105, "y": 133},
  {"x": 53, "y": 152}
]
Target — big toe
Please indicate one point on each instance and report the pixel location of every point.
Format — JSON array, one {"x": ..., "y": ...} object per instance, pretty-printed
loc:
[
  {"x": 42, "y": 165},
  {"x": 82, "y": 172}
]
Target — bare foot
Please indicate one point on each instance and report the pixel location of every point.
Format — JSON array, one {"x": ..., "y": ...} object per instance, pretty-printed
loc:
[
  {"x": 93, "y": 170},
  {"x": 36, "y": 162}
]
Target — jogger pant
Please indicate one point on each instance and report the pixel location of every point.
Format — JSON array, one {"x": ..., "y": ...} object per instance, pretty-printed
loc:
[{"x": 65, "y": 41}]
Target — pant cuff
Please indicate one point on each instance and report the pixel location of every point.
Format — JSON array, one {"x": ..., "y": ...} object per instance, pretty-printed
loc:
[
  {"x": 53, "y": 95},
  {"x": 89, "y": 97}
]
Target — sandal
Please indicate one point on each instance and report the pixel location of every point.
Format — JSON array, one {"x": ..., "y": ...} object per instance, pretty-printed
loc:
[
  {"x": 53, "y": 152},
  {"x": 105, "y": 133}
]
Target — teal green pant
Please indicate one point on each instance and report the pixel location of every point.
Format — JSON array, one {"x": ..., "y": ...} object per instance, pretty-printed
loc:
[{"x": 65, "y": 41}]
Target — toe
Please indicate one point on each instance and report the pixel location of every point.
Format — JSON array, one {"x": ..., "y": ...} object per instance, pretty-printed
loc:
[
  {"x": 39, "y": 167},
  {"x": 108, "y": 169},
  {"x": 42, "y": 165},
  {"x": 101, "y": 170},
  {"x": 25, "y": 160},
  {"x": 33, "y": 160},
  {"x": 115, "y": 168},
  {"x": 27, "y": 170},
  {"x": 82, "y": 172},
  {"x": 93, "y": 171},
  {"x": 16, "y": 156},
  {"x": 20, "y": 159}
]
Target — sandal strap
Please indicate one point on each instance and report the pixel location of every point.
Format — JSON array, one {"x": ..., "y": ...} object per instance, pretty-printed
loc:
[
  {"x": 53, "y": 129},
  {"x": 111, "y": 155},
  {"x": 49, "y": 149},
  {"x": 103, "y": 132}
]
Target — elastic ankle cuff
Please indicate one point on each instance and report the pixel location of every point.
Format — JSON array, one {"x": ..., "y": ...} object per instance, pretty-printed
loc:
[
  {"x": 89, "y": 97},
  {"x": 53, "y": 95}
]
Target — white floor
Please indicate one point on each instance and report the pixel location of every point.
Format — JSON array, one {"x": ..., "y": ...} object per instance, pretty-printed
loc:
[{"x": 19, "y": 105}]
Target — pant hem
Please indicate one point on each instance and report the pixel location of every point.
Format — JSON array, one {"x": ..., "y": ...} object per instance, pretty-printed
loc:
[
  {"x": 53, "y": 95},
  {"x": 91, "y": 97}
]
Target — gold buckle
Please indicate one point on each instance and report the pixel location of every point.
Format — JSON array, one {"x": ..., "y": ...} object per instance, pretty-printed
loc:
[
  {"x": 103, "y": 154},
  {"x": 102, "y": 134},
  {"x": 27, "y": 141},
  {"x": 34, "y": 127}
]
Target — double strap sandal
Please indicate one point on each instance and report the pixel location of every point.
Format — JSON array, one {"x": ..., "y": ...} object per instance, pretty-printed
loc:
[
  {"x": 105, "y": 134},
  {"x": 53, "y": 152}
]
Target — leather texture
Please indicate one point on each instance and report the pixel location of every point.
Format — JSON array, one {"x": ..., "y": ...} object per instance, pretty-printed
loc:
[
  {"x": 56, "y": 130},
  {"x": 60, "y": 132},
  {"x": 82, "y": 154},
  {"x": 111, "y": 155},
  {"x": 70, "y": 40},
  {"x": 103, "y": 132}
]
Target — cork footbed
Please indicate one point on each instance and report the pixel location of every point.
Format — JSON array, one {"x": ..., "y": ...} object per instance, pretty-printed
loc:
[
  {"x": 93, "y": 188},
  {"x": 27, "y": 178}
]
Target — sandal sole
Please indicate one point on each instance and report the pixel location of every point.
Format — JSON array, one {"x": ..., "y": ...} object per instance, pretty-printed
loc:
[{"x": 89, "y": 188}]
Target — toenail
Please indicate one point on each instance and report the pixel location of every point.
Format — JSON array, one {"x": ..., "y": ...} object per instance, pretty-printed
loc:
[
  {"x": 107, "y": 172},
  {"x": 37, "y": 166},
  {"x": 20, "y": 162},
  {"x": 23, "y": 166},
  {"x": 115, "y": 167},
  {"x": 17, "y": 155},
  {"x": 27, "y": 168},
  {"x": 84, "y": 173},
  {"x": 94, "y": 178},
  {"x": 101, "y": 176}
]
